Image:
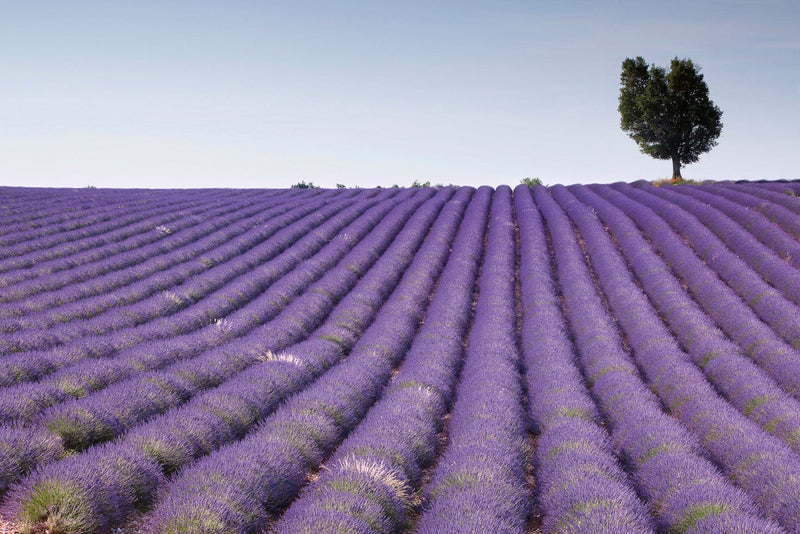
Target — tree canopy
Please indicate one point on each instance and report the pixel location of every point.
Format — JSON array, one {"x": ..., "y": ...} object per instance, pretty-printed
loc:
[{"x": 669, "y": 115}]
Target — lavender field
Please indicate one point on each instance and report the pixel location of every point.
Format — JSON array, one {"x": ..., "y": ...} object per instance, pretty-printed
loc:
[{"x": 586, "y": 359}]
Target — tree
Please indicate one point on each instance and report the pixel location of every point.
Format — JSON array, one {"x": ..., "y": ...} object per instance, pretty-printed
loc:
[{"x": 668, "y": 115}]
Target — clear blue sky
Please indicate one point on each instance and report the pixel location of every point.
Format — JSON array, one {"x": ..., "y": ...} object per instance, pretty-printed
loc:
[{"x": 268, "y": 93}]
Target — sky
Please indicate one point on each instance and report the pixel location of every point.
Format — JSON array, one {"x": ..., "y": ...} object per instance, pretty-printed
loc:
[{"x": 266, "y": 94}]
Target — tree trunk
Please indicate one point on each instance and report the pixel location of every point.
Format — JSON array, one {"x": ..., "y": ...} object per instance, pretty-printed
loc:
[{"x": 676, "y": 169}]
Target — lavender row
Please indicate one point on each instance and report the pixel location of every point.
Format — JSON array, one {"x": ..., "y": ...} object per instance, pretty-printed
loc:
[
  {"x": 73, "y": 281},
  {"x": 757, "y": 462},
  {"x": 774, "y": 270},
  {"x": 264, "y": 471},
  {"x": 292, "y": 273},
  {"x": 20, "y": 212},
  {"x": 785, "y": 219},
  {"x": 243, "y": 351},
  {"x": 479, "y": 481},
  {"x": 157, "y": 313},
  {"x": 768, "y": 233},
  {"x": 368, "y": 485},
  {"x": 718, "y": 301},
  {"x": 791, "y": 203},
  {"x": 770, "y": 306},
  {"x": 221, "y": 415},
  {"x": 166, "y": 267},
  {"x": 24, "y": 208},
  {"x": 581, "y": 486},
  {"x": 86, "y": 225},
  {"x": 23, "y": 265},
  {"x": 155, "y": 250},
  {"x": 790, "y": 188},
  {"x": 35, "y": 207},
  {"x": 20, "y": 266},
  {"x": 15, "y": 464},
  {"x": 124, "y": 291},
  {"x": 91, "y": 223},
  {"x": 108, "y": 413},
  {"x": 738, "y": 378},
  {"x": 683, "y": 489},
  {"x": 61, "y": 217},
  {"x": 25, "y": 402}
]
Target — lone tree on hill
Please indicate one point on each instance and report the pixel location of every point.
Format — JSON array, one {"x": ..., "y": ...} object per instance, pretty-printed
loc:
[{"x": 668, "y": 115}]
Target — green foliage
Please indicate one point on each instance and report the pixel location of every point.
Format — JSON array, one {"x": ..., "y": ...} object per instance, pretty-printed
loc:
[
  {"x": 56, "y": 507},
  {"x": 754, "y": 403},
  {"x": 79, "y": 431},
  {"x": 201, "y": 521},
  {"x": 530, "y": 182},
  {"x": 696, "y": 513},
  {"x": 426, "y": 183},
  {"x": 304, "y": 185},
  {"x": 678, "y": 180},
  {"x": 669, "y": 115},
  {"x": 675, "y": 180}
]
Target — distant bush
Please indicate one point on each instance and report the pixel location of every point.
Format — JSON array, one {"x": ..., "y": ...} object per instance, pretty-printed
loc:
[
  {"x": 304, "y": 185},
  {"x": 427, "y": 183},
  {"x": 530, "y": 182}
]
